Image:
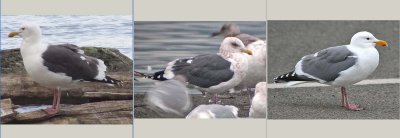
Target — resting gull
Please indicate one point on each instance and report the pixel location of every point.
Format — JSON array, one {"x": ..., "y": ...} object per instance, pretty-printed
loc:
[
  {"x": 257, "y": 61},
  {"x": 213, "y": 111},
  {"x": 214, "y": 73},
  {"x": 338, "y": 66},
  {"x": 58, "y": 66},
  {"x": 258, "y": 108},
  {"x": 169, "y": 98}
]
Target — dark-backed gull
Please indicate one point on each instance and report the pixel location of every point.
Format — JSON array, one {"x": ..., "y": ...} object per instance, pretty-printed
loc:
[
  {"x": 214, "y": 73},
  {"x": 58, "y": 66}
]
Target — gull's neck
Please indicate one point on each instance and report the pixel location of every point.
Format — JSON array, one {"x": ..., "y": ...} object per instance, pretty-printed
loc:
[
  {"x": 361, "y": 46},
  {"x": 32, "y": 46},
  {"x": 34, "y": 39},
  {"x": 224, "y": 53}
]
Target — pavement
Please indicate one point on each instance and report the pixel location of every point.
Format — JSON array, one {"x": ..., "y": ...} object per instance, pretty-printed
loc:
[
  {"x": 378, "y": 101},
  {"x": 288, "y": 41}
]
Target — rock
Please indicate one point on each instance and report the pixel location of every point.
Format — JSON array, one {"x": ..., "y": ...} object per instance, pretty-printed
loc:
[
  {"x": 11, "y": 62},
  {"x": 114, "y": 60},
  {"x": 7, "y": 113}
]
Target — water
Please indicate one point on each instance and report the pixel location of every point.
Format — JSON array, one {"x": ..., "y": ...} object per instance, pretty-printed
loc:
[
  {"x": 97, "y": 31},
  {"x": 157, "y": 43}
]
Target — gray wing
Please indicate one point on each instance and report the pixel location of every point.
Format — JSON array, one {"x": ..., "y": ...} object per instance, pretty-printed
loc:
[
  {"x": 328, "y": 63},
  {"x": 69, "y": 59},
  {"x": 204, "y": 70}
]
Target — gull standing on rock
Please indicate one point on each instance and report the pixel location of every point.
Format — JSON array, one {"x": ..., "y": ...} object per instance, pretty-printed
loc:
[{"x": 58, "y": 66}]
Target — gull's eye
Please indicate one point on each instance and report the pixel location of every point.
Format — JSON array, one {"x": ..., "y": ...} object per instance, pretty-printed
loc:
[
  {"x": 23, "y": 28},
  {"x": 367, "y": 38},
  {"x": 234, "y": 44}
]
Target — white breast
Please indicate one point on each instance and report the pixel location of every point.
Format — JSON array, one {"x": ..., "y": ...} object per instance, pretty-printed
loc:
[
  {"x": 33, "y": 63},
  {"x": 367, "y": 61},
  {"x": 257, "y": 65}
]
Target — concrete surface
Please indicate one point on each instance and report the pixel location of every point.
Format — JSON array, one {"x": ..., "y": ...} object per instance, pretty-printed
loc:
[{"x": 378, "y": 101}]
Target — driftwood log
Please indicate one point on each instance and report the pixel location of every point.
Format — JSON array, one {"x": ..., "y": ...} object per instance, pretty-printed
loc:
[
  {"x": 7, "y": 112},
  {"x": 90, "y": 103}
]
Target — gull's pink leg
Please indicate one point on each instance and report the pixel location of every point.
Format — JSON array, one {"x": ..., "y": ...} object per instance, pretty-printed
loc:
[
  {"x": 346, "y": 104},
  {"x": 54, "y": 98},
  {"x": 215, "y": 98},
  {"x": 54, "y": 109},
  {"x": 343, "y": 97},
  {"x": 58, "y": 99}
]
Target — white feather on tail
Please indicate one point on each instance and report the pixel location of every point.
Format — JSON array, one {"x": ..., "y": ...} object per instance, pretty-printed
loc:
[{"x": 292, "y": 83}]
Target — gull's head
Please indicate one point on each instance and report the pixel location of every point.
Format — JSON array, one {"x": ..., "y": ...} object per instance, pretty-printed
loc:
[
  {"x": 227, "y": 30},
  {"x": 29, "y": 30},
  {"x": 366, "y": 39},
  {"x": 233, "y": 45}
]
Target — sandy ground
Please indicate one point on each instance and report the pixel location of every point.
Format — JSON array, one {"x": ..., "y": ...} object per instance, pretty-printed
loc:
[{"x": 288, "y": 41}]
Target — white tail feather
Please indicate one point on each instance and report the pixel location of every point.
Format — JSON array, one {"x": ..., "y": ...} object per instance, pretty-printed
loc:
[
  {"x": 149, "y": 68},
  {"x": 292, "y": 83}
]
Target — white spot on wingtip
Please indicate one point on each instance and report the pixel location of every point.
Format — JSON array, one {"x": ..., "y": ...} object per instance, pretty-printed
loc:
[
  {"x": 81, "y": 51},
  {"x": 189, "y": 61},
  {"x": 83, "y": 58}
]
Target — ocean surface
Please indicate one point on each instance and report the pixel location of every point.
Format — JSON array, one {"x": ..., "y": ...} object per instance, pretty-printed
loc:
[
  {"x": 96, "y": 31},
  {"x": 157, "y": 43}
]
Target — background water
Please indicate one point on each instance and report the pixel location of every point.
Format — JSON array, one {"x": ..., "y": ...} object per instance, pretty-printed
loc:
[
  {"x": 97, "y": 31},
  {"x": 157, "y": 43}
]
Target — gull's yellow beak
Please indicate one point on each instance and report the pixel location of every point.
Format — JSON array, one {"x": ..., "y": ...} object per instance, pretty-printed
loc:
[
  {"x": 381, "y": 43},
  {"x": 247, "y": 51},
  {"x": 12, "y": 34}
]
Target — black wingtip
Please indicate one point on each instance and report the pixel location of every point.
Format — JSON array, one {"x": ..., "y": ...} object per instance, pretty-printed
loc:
[
  {"x": 159, "y": 76},
  {"x": 291, "y": 76},
  {"x": 110, "y": 80},
  {"x": 139, "y": 74}
]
